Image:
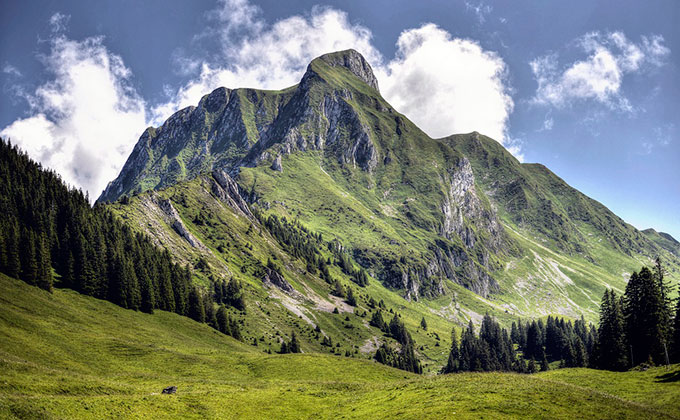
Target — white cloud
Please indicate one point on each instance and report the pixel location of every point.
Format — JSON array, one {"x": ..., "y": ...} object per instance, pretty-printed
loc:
[
  {"x": 271, "y": 57},
  {"x": 59, "y": 22},
  {"x": 480, "y": 10},
  {"x": 599, "y": 77},
  {"x": 548, "y": 124},
  {"x": 447, "y": 85},
  {"x": 85, "y": 121},
  {"x": 11, "y": 70}
]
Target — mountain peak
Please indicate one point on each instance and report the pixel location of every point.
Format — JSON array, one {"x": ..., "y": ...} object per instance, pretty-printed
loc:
[{"x": 353, "y": 61}]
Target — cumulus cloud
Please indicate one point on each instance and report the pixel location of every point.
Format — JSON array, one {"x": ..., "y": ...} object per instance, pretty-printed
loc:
[
  {"x": 273, "y": 57},
  {"x": 86, "y": 120},
  {"x": 447, "y": 85},
  {"x": 599, "y": 77}
]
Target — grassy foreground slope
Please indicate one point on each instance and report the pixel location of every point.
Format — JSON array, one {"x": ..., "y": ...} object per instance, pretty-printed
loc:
[{"x": 64, "y": 355}]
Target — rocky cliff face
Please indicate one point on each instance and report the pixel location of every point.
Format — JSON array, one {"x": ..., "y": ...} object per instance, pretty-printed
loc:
[
  {"x": 216, "y": 133},
  {"x": 336, "y": 109},
  {"x": 230, "y": 128},
  {"x": 319, "y": 117}
]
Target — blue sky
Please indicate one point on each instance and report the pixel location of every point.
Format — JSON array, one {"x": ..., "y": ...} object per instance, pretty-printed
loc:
[{"x": 589, "y": 89}]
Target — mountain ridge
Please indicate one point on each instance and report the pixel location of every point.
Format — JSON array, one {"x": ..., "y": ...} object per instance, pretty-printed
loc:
[{"x": 421, "y": 214}]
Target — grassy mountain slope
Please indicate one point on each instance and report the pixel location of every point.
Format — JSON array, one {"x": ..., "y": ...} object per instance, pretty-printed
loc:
[
  {"x": 64, "y": 355},
  {"x": 233, "y": 245},
  {"x": 664, "y": 240},
  {"x": 456, "y": 226}
]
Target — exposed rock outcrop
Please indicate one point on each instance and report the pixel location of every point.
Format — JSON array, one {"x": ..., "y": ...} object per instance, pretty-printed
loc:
[
  {"x": 273, "y": 278},
  {"x": 277, "y": 165},
  {"x": 227, "y": 190},
  {"x": 176, "y": 222},
  {"x": 354, "y": 62}
]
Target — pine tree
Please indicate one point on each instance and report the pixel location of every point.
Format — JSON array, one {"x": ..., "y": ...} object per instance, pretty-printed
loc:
[
  {"x": 223, "y": 321},
  {"x": 338, "y": 290},
  {"x": 377, "y": 321},
  {"x": 235, "y": 329},
  {"x": 294, "y": 346},
  {"x": 468, "y": 348},
  {"x": 531, "y": 368},
  {"x": 13, "y": 259},
  {"x": 514, "y": 333},
  {"x": 644, "y": 313},
  {"x": 675, "y": 341},
  {"x": 522, "y": 335},
  {"x": 408, "y": 360},
  {"x": 610, "y": 348},
  {"x": 44, "y": 279},
  {"x": 234, "y": 295},
  {"x": 544, "y": 364},
  {"x": 196, "y": 309},
  {"x": 534, "y": 346},
  {"x": 29, "y": 262},
  {"x": 382, "y": 355},
  {"x": 423, "y": 324},
  {"x": 453, "y": 363},
  {"x": 351, "y": 300},
  {"x": 666, "y": 310},
  {"x": 398, "y": 330}
]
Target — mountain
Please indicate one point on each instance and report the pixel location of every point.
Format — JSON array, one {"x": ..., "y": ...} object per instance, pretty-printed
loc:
[
  {"x": 419, "y": 213},
  {"x": 664, "y": 240},
  {"x": 332, "y": 208}
]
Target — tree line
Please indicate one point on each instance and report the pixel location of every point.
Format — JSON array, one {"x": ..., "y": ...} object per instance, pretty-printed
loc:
[
  {"x": 405, "y": 358},
  {"x": 641, "y": 326},
  {"x": 529, "y": 347},
  {"x": 50, "y": 236}
]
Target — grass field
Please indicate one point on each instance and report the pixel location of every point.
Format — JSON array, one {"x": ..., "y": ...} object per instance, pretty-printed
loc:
[{"x": 63, "y": 355}]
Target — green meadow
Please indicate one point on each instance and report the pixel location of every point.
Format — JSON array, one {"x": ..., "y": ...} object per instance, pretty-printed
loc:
[{"x": 64, "y": 355}]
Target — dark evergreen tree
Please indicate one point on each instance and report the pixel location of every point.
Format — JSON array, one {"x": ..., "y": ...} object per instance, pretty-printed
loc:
[
  {"x": 378, "y": 321},
  {"x": 534, "y": 344},
  {"x": 423, "y": 324},
  {"x": 453, "y": 362},
  {"x": 350, "y": 299},
  {"x": 398, "y": 330},
  {"x": 44, "y": 278},
  {"x": 544, "y": 364},
  {"x": 531, "y": 367},
  {"x": 666, "y": 309},
  {"x": 294, "y": 346},
  {"x": 675, "y": 341},
  {"x": 196, "y": 309},
  {"x": 29, "y": 261},
  {"x": 223, "y": 324},
  {"x": 338, "y": 290},
  {"x": 644, "y": 314},
  {"x": 610, "y": 349},
  {"x": 514, "y": 333},
  {"x": 13, "y": 267},
  {"x": 468, "y": 349},
  {"x": 234, "y": 296}
]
